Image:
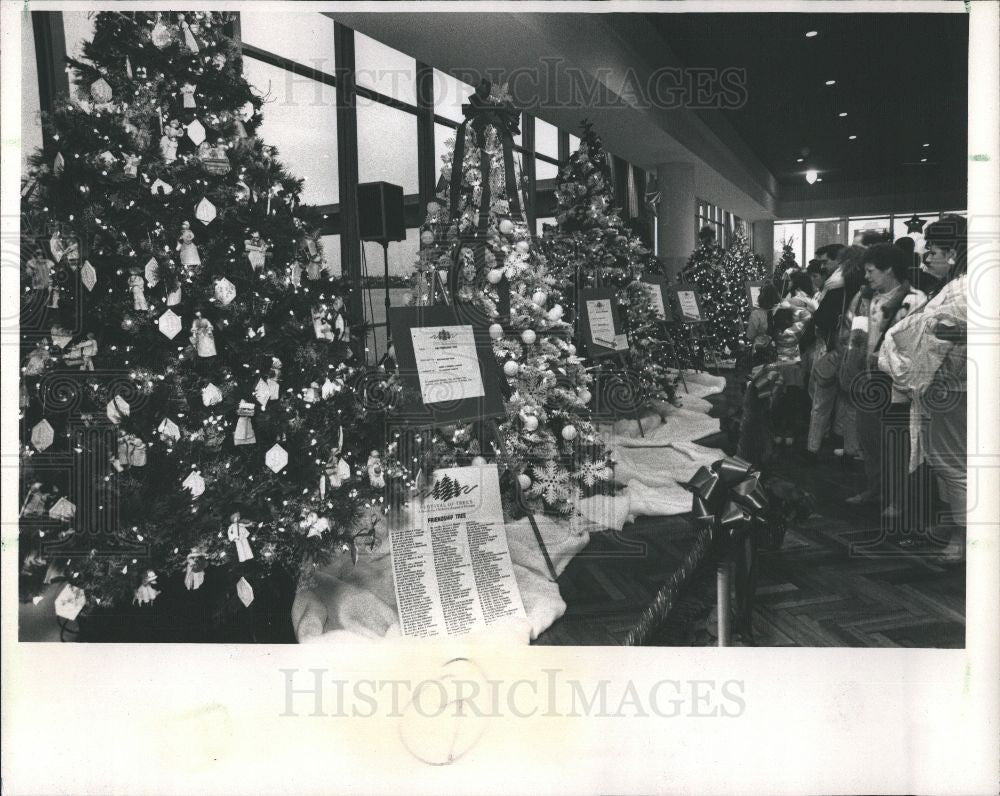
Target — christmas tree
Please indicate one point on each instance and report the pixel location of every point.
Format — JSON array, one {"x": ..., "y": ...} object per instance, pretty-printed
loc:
[
  {"x": 740, "y": 265},
  {"x": 786, "y": 261},
  {"x": 477, "y": 232},
  {"x": 592, "y": 247},
  {"x": 190, "y": 397},
  {"x": 704, "y": 270}
]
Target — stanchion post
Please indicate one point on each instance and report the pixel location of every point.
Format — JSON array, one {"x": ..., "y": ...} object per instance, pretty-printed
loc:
[{"x": 722, "y": 590}]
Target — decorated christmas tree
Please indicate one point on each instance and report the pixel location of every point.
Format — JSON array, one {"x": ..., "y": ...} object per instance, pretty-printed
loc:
[
  {"x": 592, "y": 247},
  {"x": 190, "y": 406},
  {"x": 478, "y": 234},
  {"x": 786, "y": 261},
  {"x": 740, "y": 265},
  {"x": 704, "y": 270}
]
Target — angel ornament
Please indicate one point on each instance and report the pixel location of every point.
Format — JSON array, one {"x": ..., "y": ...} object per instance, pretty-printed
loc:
[
  {"x": 239, "y": 533},
  {"x": 314, "y": 525},
  {"x": 312, "y": 252},
  {"x": 168, "y": 141},
  {"x": 376, "y": 474},
  {"x": 186, "y": 247},
  {"x": 336, "y": 471},
  {"x": 188, "y": 89},
  {"x": 137, "y": 285},
  {"x": 203, "y": 336},
  {"x": 256, "y": 249}
]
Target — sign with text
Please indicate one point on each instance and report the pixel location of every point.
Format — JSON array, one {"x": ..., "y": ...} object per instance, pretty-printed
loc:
[
  {"x": 448, "y": 363},
  {"x": 600, "y": 328},
  {"x": 658, "y": 295},
  {"x": 687, "y": 303},
  {"x": 451, "y": 567}
]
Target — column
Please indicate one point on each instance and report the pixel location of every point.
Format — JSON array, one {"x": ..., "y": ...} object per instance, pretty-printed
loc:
[
  {"x": 675, "y": 216},
  {"x": 763, "y": 241}
]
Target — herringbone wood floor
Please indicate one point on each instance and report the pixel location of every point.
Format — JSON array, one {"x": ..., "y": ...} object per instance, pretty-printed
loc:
[{"x": 839, "y": 580}]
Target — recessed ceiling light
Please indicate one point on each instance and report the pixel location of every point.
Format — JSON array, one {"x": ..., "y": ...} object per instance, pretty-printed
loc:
[
  {"x": 842, "y": 114},
  {"x": 811, "y": 34},
  {"x": 851, "y": 137},
  {"x": 831, "y": 82},
  {"x": 926, "y": 145},
  {"x": 923, "y": 160},
  {"x": 799, "y": 160},
  {"x": 819, "y": 179}
]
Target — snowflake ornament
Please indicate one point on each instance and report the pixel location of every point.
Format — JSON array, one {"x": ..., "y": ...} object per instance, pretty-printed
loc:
[
  {"x": 591, "y": 472},
  {"x": 551, "y": 483}
]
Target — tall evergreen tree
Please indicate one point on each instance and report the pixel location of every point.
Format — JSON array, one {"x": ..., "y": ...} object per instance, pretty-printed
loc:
[
  {"x": 190, "y": 393},
  {"x": 591, "y": 246},
  {"x": 477, "y": 232}
]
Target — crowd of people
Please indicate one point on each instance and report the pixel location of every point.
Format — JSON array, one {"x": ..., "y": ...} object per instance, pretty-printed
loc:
[{"x": 879, "y": 338}]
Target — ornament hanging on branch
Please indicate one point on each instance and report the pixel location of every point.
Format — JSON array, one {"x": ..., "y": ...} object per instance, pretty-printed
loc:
[
  {"x": 244, "y": 433},
  {"x": 239, "y": 534},
  {"x": 194, "y": 572},
  {"x": 256, "y": 249},
  {"x": 187, "y": 91},
  {"x": 205, "y": 212},
  {"x": 172, "y": 134},
  {"x": 186, "y": 246},
  {"x": 203, "y": 336},
  {"x": 137, "y": 287}
]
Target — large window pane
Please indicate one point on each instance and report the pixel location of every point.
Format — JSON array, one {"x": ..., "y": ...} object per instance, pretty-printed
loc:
[
  {"x": 444, "y": 143},
  {"x": 449, "y": 94},
  {"x": 331, "y": 253},
  {"x": 31, "y": 122},
  {"x": 546, "y": 138},
  {"x": 574, "y": 143},
  {"x": 402, "y": 257},
  {"x": 303, "y": 37},
  {"x": 899, "y": 228},
  {"x": 788, "y": 232},
  {"x": 384, "y": 69},
  {"x": 78, "y": 26},
  {"x": 387, "y": 145},
  {"x": 823, "y": 232},
  {"x": 301, "y": 121},
  {"x": 858, "y": 226},
  {"x": 544, "y": 170}
]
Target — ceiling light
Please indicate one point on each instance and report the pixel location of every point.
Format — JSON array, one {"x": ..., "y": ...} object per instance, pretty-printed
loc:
[
  {"x": 819, "y": 179},
  {"x": 811, "y": 176},
  {"x": 851, "y": 137},
  {"x": 926, "y": 145},
  {"x": 830, "y": 82},
  {"x": 842, "y": 114},
  {"x": 811, "y": 34},
  {"x": 799, "y": 160},
  {"x": 923, "y": 160}
]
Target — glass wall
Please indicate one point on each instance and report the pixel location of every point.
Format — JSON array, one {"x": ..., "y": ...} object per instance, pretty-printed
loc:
[
  {"x": 808, "y": 235},
  {"x": 723, "y": 222}
]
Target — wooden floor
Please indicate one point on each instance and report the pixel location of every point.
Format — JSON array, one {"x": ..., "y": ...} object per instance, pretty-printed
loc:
[{"x": 839, "y": 580}]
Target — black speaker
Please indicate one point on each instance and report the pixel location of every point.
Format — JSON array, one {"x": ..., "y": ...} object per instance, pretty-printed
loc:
[{"x": 380, "y": 211}]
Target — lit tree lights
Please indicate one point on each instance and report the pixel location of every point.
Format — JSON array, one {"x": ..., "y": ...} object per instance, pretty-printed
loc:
[{"x": 186, "y": 362}]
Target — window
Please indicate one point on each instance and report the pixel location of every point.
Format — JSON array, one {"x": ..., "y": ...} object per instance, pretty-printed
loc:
[
  {"x": 788, "y": 232},
  {"x": 384, "y": 70},
  {"x": 387, "y": 145},
  {"x": 546, "y": 143},
  {"x": 574, "y": 143},
  {"x": 444, "y": 143},
  {"x": 31, "y": 120},
  {"x": 821, "y": 233},
  {"x": 78, "y": 27},
  {"x": 856, "y": 227},
  {"x": 449, "y": 95},
  {"x": 331, "y": 252},
  {"x": 306, "y": 38},
  {"x": 899, "y": 228},
  {"x": 300, "y": 118}
]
